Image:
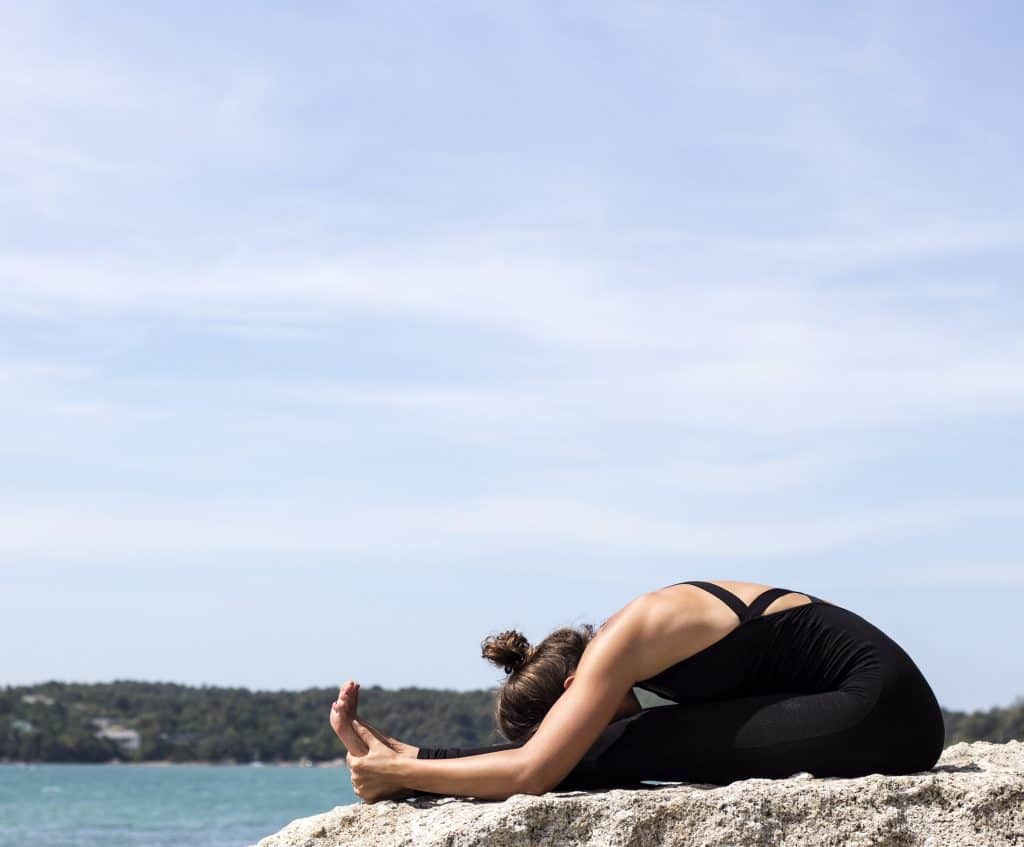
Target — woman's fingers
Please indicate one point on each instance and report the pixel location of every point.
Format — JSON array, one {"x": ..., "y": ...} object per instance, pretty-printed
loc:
[{"x": 371, "y": 740}]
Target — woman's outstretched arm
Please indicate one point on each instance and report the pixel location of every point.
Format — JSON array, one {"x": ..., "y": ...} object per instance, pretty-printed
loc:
[
  {"x": 489, "y": 776},
  {"x": 576, "y": 720},
  {"x": 459, "y": 752}
]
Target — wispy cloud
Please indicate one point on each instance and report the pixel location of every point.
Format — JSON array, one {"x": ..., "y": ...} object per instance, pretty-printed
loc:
[
  {"x": 509, "y": 280},
  {"x": 634, "y": 285},
  {"x": 495, "y": 529},
  {"x": 968, "y": 574}
]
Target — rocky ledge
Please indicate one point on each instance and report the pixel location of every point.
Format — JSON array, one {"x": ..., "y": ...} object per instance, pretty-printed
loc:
[{"x": 973, "y": 796}]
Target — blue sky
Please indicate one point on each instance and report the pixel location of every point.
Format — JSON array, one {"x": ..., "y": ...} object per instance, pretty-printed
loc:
[{"x": 335, "y": 337}]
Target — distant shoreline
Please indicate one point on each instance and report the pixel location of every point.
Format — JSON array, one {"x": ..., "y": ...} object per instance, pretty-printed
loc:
[{"x": 161, "y": 722}]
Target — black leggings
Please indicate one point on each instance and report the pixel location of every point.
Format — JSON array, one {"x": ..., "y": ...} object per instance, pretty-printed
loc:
[{"x": 847, "y": 701}]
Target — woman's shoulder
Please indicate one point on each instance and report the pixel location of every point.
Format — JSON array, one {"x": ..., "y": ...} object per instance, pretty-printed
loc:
[
  {"x": 649, "y": 628},
  {"x": 635, "y": 610},
  {"x": 648, "y": 607}
]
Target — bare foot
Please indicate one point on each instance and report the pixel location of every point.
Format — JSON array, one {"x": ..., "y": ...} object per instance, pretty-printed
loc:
[
  {"x": 345, "y": 709},
  {"x": 342, "y": 711}
]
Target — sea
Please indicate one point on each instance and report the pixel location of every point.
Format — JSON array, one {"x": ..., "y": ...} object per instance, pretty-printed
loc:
[{"x": 160, "y": 806}]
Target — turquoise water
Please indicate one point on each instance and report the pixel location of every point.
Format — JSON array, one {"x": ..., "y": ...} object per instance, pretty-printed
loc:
[{"x": 145, "y": 806}]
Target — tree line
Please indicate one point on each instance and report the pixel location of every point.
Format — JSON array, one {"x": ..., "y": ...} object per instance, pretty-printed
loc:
[{"x": 152, "y": 721}]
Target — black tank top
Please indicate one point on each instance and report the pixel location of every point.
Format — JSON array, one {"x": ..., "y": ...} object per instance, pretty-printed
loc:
[
  {"x": 725, "y": 668},
  {"x": 757, "y": 605}
]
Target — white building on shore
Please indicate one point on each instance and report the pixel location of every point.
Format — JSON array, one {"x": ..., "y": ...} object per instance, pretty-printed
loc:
[{"x": 125, "y": 738}]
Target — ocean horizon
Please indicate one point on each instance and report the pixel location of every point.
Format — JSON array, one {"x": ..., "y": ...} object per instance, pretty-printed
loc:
[{"x": 160, "y": 804}]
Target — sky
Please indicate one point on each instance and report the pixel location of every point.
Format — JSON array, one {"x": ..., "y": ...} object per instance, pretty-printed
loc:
[{"x": 335, "y": 337}]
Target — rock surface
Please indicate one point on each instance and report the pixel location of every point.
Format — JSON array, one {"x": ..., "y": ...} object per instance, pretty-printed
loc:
[{"x": 974, "y": 796}]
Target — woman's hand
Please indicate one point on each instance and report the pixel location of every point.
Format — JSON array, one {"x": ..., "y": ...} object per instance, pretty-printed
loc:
[
  {"x": 375, "y": 775},
  {"x": 344, "y": 711}
]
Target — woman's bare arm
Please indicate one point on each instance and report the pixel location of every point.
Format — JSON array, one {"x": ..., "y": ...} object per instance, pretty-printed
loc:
[
  {"x": 576, "y": 720},
  {"x": 606, "y": 673},
  {"x": 489, "y": 776}
]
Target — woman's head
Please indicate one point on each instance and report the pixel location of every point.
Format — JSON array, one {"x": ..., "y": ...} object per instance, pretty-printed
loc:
[{"x": 536, "y": 675}]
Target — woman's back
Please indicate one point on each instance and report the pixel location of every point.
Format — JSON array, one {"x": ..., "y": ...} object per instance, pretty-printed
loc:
[
  {"x": 685, "y": 619},
  {"x": 757, "y": 639}
]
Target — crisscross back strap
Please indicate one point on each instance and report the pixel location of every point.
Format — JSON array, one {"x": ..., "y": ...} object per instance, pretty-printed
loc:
[
  {"x": 756, "y": 607},
  {"x": 763, "y": 600},
  {"x": 726, "y": 596}
]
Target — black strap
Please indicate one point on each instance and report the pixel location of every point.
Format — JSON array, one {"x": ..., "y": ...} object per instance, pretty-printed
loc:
[
  {"x": 726, "y": 596},
  {"x": 757, "y": 605},
  {"x": 763, "y": 600}
]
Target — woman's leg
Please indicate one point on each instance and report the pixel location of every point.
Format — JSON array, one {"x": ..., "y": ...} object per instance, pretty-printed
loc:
[
  {"x": 456, "y": 752},
  {"x": 833, "y": 733},
  {"x": 716, "y": 742}
]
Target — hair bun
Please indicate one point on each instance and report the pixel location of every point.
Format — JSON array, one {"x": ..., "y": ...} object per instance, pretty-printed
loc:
[{"x": 509, "y": 650}]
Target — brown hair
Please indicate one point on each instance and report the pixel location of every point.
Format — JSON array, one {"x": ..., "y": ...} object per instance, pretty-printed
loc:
[{"x": 536, "y": 675}]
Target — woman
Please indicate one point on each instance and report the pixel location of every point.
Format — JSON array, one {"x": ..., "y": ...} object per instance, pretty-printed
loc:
[{"x": 766, "y": 682}]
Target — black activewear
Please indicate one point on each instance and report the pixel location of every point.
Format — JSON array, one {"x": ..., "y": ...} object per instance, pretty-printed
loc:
[{"x": 811, "y": 688}]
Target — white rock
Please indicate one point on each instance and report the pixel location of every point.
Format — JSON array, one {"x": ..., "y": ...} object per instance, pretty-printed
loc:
[{"x": 973, "y": 797}]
